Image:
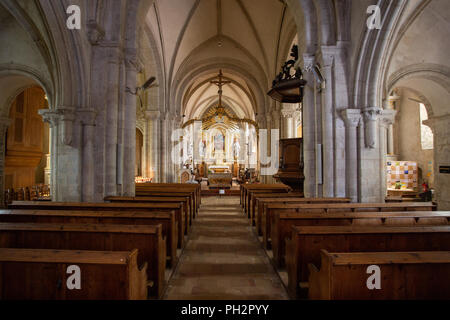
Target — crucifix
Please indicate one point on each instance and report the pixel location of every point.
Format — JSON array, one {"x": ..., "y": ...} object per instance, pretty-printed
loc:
[{"x": 220, "y": 83}]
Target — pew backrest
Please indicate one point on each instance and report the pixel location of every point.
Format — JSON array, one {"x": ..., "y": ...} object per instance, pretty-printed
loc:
[{"x": 41, "y": 274}]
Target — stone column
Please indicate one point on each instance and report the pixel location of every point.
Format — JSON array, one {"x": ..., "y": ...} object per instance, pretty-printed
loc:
[
  {"x": 175, "y": 147},
  {"x": 87, "y": 118},
  {"x": 352, "y": 118},
  {"x": 66, "y": 154},
  {"x": 112, "y": 118},
  {"x": 441, "y": 130},
  {"x": 4, "y": 124},
  {"x": 386, "y": 120},
  {"x": 289, "y": 113},
  {"x": 309, "y": 129},
  {"x": 328, "y": 123},
  {"x": 164, "y": 147},
  {"x": 371, "y": 115},
  {"x": 390, "y": 130},
  {"x": 153, "y": 119},
  {"x": 129, "y": 126}
]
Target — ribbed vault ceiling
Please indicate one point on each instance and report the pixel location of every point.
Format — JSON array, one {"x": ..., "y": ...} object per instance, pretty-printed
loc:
[{"x": 247, "y": 31}]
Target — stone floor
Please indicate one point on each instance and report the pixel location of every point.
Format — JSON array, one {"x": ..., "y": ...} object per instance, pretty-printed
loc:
[{"x": 223, "y": 259}]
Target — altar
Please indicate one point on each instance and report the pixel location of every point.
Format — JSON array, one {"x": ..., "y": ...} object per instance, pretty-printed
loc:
[
  {"x": 219, "y": 169},
  {"x": 220, "y": 180}
]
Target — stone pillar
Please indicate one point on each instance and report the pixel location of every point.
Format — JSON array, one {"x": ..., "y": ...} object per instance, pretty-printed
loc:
[
  {"x": 309, "y": 129},
  {"x": 4, "y": 124},
  {"x": 289, "y": 113},
  {"x": 328, "y": 119},
  {"x": 153, "y": 118},
  {"x": 112, "y": 118},
  {"x": 66, "y": 146},
  {"x": 371, "y": 115},
  {"x": 386, "y": 120},
  {"x": 129, "y": 127},
  {"x": 441, "y": 130},
  {"x": 87, "y": 118},
  {"x": 390, "y": 130},
  {"x": 352, "y": 118},
  {"x": 164, "y": 147}
]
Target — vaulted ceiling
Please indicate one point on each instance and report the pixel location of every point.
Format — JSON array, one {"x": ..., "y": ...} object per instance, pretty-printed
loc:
[{"x": 195, "y": 38}]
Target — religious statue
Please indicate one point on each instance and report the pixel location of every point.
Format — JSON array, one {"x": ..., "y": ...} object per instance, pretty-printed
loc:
[
  {"x": 202, "y": 148},
  {"x": 236, "y": 148}
]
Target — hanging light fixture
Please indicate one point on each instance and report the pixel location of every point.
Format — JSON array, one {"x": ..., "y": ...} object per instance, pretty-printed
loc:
[{"x": 289, "y": 85}]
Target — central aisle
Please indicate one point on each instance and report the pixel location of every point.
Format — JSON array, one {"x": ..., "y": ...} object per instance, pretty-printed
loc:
[{"x": 223, "y": 259}]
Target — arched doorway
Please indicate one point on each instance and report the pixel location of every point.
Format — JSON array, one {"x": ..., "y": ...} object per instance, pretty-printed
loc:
[{"x": 27, "y": 147}]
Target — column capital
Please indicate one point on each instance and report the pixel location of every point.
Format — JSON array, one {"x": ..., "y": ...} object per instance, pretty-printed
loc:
[
  {"x": 351, "y": 117},
  {"x": 49, "y": 116},
  {"x": 309, "y": 60},
  {"x": 152, "y": 114},
  {"x": 371, "y": 113},
  {"x": 387, "y": 117}
]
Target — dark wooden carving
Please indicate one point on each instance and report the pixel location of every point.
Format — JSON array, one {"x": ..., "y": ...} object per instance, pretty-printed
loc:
[{"x": 290, "y": 171}]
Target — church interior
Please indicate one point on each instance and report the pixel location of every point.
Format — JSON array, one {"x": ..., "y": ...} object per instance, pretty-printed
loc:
[{"x": 225, "y": 149}]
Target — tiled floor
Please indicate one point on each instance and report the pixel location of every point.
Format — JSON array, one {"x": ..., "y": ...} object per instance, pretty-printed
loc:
[{"x": 223, "y": 259}]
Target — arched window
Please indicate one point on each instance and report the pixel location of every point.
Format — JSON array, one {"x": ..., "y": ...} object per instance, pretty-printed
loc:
[{"x": 426, "y": 135}]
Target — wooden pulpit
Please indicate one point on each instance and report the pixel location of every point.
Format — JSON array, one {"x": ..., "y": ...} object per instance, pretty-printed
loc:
[{"x": 290, "y": 170}]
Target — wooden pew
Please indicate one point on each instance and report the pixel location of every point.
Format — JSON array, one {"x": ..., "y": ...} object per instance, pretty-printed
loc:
[
  {"x": 166, "y": 219},
  {"x": 282, "y": 223},
  {"x": 404, "y": 276},
  {"x": 135, "y": 207},
  {"x": 306, "y": 242},
  {"x": 266, "y": 218},
  {"x": 172, "y": 187},
  {"x": 165, "y": 192},
  {"x": 256, "y": 199},
  {"x": 170, "y": 194},
  {"x": 41, "y": 274},
  {"x": 98, "y": 237},
  {"x": 261, "y": 188},
  {"x": 183, "y": 200},
  {"x": 264, "y": 202},
  {"x": 258, "y": 186}
]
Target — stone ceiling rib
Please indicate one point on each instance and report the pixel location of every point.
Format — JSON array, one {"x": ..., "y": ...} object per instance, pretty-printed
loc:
[
  {"x": 161, "y": 36},
  {"x": 255, "y": 32},
  {"x": 219, "y": 17},
  {"x": 180, "y": 38}
]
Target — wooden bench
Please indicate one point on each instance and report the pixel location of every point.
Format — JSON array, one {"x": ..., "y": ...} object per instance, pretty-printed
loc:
[
  {"x": 122, "y": 207},
  {"x": 170, "y": 194},
  {"x": 262, "y": 203},
  {"x": 261, "y": 188},
  {"x": 282, "y": 223},
  {"x": 404, "y": 276},
  {"x": 195, "y": 189},
  {"x": 256, "y": 197},
  {"x": 266, "y": 218},
  {"x": 165, "y": 219},
  {"x": 183, "y": 200},
  {"x": 258, "y": 186},
  {"x": 306, "y": 242},
  {"x": 40, "y": 274},
  {"x": 99, "y": 237}
]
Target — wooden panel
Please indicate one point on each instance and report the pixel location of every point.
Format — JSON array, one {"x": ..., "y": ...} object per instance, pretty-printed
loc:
[{"x": 25, "y": 136}]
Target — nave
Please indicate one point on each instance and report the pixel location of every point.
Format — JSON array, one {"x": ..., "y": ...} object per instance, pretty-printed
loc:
[{"x": 223, "y": 259}]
